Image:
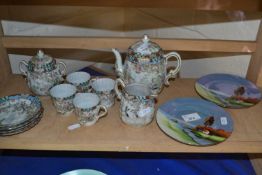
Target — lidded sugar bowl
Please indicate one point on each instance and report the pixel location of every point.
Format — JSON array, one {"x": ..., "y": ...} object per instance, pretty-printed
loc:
[
  {"x": 146, "y": 63},
  {"x": 42, "y": 72}
]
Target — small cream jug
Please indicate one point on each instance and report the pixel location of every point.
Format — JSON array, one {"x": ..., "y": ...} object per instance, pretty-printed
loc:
[
  {"x": 42, "y": 73},
  {"x": 146, "y": 63},
  {"x": 137, "y": 104}
]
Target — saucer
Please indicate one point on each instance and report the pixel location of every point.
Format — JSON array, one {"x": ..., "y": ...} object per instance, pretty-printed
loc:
[{"x": 19, "y": 113}]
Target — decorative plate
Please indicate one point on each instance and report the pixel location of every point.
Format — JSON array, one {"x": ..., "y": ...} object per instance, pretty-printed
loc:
[
  {"x": 194, "y": 121},
  {"x": 228, "y": 90},
  {"x": 19, "y": 113},
  {"x": 84, "y": 172}
]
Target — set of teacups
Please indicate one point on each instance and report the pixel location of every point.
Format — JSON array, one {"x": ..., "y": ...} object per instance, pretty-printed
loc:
[{"x": 89, "y": 98}]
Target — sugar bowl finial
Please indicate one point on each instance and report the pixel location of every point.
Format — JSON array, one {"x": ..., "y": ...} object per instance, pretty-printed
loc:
[{"x": 145, "y": 39}]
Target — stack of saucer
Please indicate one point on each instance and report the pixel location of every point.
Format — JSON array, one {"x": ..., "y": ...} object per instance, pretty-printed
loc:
[{"x": 19, "y": 113}]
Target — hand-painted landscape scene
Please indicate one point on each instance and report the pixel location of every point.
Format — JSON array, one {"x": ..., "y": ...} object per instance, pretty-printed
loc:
[
  {"x": 228, "y": 90},
  {"x": 194, "y": 121}
]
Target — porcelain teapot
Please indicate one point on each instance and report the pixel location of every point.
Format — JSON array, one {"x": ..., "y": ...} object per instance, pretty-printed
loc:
[
  {"x": 146, "y": 63},
  {"x": 42, "y": 72}
]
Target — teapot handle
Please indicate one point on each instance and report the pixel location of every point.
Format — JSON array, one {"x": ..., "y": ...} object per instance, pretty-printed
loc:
[
  {"x": 173, "y": 72},
  {"x": 21, "y": 66},
  {"x": 62, "y": 68},
  {"x": 122, "y": 84}
]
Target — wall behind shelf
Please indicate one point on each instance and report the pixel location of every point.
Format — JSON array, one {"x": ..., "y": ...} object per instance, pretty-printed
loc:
[{"x": 236, "y": 64}]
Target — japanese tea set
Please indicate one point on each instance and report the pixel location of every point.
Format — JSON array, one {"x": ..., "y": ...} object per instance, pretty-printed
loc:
[{"x": 140, "y": 80}]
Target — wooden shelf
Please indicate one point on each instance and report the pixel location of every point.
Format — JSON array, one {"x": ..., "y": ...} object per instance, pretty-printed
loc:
[
  {"x": 185, "y": 4},
  {"x": 110, "y": 134},
  {"x": 103, "y": 43}
]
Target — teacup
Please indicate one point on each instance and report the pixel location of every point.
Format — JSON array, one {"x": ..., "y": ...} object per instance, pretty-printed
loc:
[
  {"x": 80, "y": 80},
  {"x": 88, "y": 109},
  {"x": 104, "y": 88},
  {"x": 137, "y": 104},
  {"x": 62, "y": 96}
]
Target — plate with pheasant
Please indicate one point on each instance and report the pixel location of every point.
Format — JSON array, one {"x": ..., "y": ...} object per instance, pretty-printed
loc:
[
  {"x": 194, "y": 121},
  {"x": 228, "y": 90}
]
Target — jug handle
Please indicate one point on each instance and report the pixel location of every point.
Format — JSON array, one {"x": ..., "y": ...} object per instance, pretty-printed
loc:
[
  {"x": 62, "y": 68},
  {"x": 21, "y": 66},
  {"x": 172, "y": 72},
  {"x": 122, "y": 84}
]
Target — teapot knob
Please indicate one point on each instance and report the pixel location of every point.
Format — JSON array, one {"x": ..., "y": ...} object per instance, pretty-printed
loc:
[
  {"x": 40, "y": 54},
  {"x": 145, "y": 39}
]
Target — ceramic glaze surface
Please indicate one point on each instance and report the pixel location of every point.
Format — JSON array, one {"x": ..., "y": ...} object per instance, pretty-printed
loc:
[
  {"x": 19, "y": 113},
  {"x": 149, "y": 74},
  {"x": 194, "y": 121},
  {"x": 84, "y": 172},
  {"x": 87, "y": 108},
  {"x": 18, "y": 108},
  {"x": 137, "y": 111},
  {"x": 40, "y": 83},
  {"x": 87, "y": 116},
  {"x": 42, "y": 73},
  {"x": 145, "y": 52},
  {"x": 80, "y": 80},
  {"x": 137, "y": 106},
  {"x": 62, "y": 97},
  {"x": 104, "y": 88},
  {"x": 86, "y": 100},
  {"x": 228, "y": 90},
  {"x": 146, "y": 63}
]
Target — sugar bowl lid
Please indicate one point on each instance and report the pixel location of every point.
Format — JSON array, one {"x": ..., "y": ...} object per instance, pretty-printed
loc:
[
  {"x": 145, "y": 49},
  {"x": 41, "y": 62}
]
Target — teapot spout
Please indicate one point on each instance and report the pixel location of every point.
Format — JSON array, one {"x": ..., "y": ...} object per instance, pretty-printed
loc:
[{"x": 118, "y": 64}]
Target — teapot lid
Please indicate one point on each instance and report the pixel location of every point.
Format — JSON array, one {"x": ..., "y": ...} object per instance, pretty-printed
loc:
[
  {"x": 41, "y": 62},
  {"x": 145, "y": 49}
]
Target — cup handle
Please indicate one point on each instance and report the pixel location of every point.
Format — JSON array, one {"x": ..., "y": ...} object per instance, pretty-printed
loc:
[
  {"x": 90, "y": 82},
  {"x": 122, "y": 84},
  {"x": 173, "y": 72},
  {"x": 104, "y": 109},
  {"x": 21, "y": 66},
  {"x": 62, "y": 67}
]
